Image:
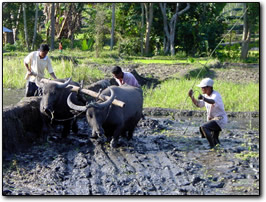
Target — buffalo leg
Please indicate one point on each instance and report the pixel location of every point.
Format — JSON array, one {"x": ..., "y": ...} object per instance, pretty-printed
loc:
[
  {"x": 75, "y": 126},
  {"x": 130, "y": 133},
  {"x": 114, "y": 141},
  {"x": 66, "y": 129}
]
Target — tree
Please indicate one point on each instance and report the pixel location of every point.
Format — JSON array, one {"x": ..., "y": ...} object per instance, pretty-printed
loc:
[
  {"x": 25, "y": 26},
  {"x": 52, "y": 25},
  {"x": 141, "y": 29},
  {"x": 169, "y": 28},
  {"x": 100, "y": 29},
  {"x": 149, "y": 17},
  {"x": 35, "y": 26},
  {"x": 250, "y": 18},
  {"x": 15, "y": 26},
  {"x": 113, "y": 26}
]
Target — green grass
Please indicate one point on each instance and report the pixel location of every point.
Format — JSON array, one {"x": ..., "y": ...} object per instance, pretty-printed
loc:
[
  {"x": 14, "y": 71},
  {"x": 170, "y": 94},
  {"x": 174, "y": 94},
  {"x": 167, "y": 60}
]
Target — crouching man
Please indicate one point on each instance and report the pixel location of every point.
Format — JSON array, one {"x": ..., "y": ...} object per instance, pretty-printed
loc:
[{"x": 216, "y": 115}]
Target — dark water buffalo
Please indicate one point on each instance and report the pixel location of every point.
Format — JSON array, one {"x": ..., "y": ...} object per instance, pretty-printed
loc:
[
  {"x": 99, "y": 85},
  {"x": 110, "y": 120},
  {"x": 53, "y": 105},
  {"x": 96, "y": 87}
]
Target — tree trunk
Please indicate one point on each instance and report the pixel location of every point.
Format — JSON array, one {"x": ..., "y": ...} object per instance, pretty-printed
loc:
[
  {"x": 149, "y": 18},
  {"x": 47, "y": 13},
  {"x": 35, "y": 26},
  {"x": 16, "y": 25},
  {"x": 165, "y": 27},
  {"x": 170, "y": 28},
  {"x": 25, "y": 26},
  {"x": 113, "y": 26},
  {"x": 52, "y": 25},
  {"x": 142, "y": 28},
  {"x": 246, "y": 36}
]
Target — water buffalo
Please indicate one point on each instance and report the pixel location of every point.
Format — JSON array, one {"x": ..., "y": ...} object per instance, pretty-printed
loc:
[
  {"x": 53, "y": 105},
  {"x": 99, "y": 85},
  {"x": 110, "y": 120}
]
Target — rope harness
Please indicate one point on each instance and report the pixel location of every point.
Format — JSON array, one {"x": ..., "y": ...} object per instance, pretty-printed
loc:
[{"x": 62, "y": 120}]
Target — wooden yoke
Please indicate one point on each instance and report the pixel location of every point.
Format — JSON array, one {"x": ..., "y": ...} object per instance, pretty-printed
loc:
[{"x": 86, "y": 91}]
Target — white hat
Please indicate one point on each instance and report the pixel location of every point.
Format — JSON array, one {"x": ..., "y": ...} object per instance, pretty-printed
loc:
[{"x": 206, "y": 82}]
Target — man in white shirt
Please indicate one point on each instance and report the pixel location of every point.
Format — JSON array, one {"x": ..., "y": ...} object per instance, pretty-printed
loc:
[
  {"x": 124, "y": 77},
  {"x": 36, "y": 62},
  {"x": 216, "y": 115}
]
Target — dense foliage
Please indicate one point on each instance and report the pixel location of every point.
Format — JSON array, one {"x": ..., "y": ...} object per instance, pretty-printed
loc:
[{"x": 87, "y": 26}]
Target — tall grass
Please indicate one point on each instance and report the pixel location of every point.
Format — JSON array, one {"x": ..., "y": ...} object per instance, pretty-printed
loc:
[
  {"x": 14, "y": 71},
  {"x": 174, "y": 94},
  {"x": 65, "y": 68}
]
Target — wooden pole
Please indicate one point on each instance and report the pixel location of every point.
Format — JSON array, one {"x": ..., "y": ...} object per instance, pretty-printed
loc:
[{"x": 86, "y": 91}]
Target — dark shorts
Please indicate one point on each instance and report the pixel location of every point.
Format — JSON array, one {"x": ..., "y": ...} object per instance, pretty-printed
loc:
[
  {"x": 32, "y": 89},
  {"x": 212, "y": 125}
]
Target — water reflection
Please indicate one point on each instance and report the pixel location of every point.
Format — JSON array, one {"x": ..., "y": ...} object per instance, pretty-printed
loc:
[{"x": 12, "y": 96}]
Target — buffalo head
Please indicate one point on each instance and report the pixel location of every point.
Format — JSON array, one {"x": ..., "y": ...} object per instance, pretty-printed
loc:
[
  {"x": 51, "y": 95},
  {"x": 96, "y": 113}
]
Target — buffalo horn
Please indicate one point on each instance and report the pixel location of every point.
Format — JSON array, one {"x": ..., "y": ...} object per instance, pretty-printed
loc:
[
  {"x": 107, "y": 102},
  {"x": 73, "y": 106},
  {"x": 63, "y": 85}
]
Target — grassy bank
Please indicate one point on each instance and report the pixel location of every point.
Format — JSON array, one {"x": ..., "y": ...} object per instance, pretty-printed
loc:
[
  {"x": 170, "y": 94},
  {"x": 173, "y": 94}
]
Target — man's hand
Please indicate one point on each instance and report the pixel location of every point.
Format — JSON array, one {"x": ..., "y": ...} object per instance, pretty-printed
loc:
[
  {"x": 190, "y": 93},
  {"x": 32, "y": 73},
  {"x": 200, "y": 97}
]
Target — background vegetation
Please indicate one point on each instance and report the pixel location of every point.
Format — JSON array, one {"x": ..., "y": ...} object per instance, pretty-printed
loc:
[
  {"x": 128, "y": 33},
  {"x": 139, "y": 29}
]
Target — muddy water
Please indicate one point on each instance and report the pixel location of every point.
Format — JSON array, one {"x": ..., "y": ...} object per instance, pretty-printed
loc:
[
  {"x": 160, "y": 160},
  {"x": 12, "y": 96}
]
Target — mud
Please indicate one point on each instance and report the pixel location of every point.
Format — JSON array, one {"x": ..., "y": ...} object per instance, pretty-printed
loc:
[{"x": 166, "y": 157}]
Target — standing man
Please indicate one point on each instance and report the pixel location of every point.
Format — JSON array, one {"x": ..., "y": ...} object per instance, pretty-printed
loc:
[
  {"x": 35, "y": 64},
  {"x": 124, "y": 77},
  {"x": 216, "y": 115}
]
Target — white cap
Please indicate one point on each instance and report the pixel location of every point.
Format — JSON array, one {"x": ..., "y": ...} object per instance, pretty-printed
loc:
[{"x": 206, "y": 82}]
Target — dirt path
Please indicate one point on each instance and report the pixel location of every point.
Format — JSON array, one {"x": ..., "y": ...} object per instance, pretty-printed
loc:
[{"x": 160, "y": 160}]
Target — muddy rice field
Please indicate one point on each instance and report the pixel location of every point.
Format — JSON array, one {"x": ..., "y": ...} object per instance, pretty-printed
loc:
[{"x": 166, "y": 156}]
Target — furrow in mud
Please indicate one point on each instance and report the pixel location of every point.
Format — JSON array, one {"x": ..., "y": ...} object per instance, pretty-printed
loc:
[
  {"x": 103, "y": 173},
  {"x": 159, "y": 160}
]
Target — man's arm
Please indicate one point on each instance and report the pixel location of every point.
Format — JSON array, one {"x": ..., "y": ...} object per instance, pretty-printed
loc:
[
  {"x": 210, "y": 101},
  {"x": 29, "y": 72},
  {"x": 53, "y": 75},
  {"x": 190, "y": 94}
]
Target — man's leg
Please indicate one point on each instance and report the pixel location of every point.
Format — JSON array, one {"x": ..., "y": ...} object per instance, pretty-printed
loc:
[
  {"x": 211, "y": 131},
  {"x": 208, "y": 134},
  {"x": 31, "y": 89},
  {"x": 216, "y": 137}
]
